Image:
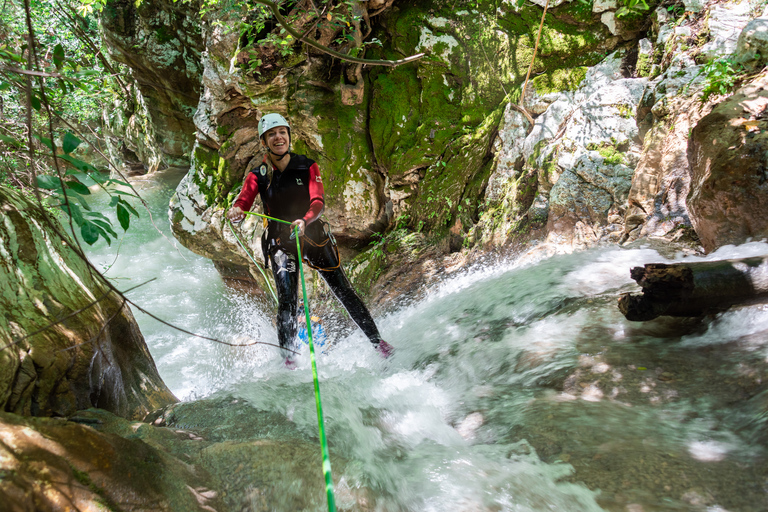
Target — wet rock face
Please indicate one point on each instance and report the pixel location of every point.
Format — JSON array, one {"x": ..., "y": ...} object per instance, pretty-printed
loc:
[
  {"x": 160, "y": 42},
  {"x": 94, "y": 356},
  {"x": 50, "y": 464},
  {"x": 728, "y": 154},
  {"x": 221, "y": 455}
]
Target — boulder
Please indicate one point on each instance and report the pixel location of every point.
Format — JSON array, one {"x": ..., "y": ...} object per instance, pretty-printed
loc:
[
  {"x": 726, "y": 22},
  {"x": 752, "y": 46},
  {"x": 585, "y": 202},
  {"x": 67, "y": 341},
  {"x": 581, "y": 150},
  {"x": 49, "y": 464},
  {"x": 728, "y": 156}
]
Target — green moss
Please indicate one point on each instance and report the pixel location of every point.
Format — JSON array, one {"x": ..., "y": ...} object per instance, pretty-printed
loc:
[
  {"x": 559, "y": 80},
  {"x": 212, "y": 174},
  {"x": 562, "y": 45},
  {"x": 644, "y": 64},
  {"x": 625, "y": 111},
  {"x": 85, "y": 480},
  {"x": 413, "y": 115},
  {"x": 346, "y": 152},
  {"x": 164, "y": 34},
  {"x": 442, "y": 189},
  {"x": 580, "y": 11},
  {"x": 612, "y": 155}
]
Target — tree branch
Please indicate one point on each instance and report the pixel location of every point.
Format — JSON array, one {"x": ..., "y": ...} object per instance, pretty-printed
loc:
[
  {"x": 533, "y": 58},
  {"x": 284, "y": 23},
  {"x": 31, "y": 72}
]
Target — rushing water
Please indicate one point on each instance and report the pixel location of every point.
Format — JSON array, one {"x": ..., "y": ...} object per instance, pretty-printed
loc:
[{"x": 515, "y": 387}]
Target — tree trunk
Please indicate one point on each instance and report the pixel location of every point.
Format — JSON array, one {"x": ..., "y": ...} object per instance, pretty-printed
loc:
[{"x": 695, "y": 289}]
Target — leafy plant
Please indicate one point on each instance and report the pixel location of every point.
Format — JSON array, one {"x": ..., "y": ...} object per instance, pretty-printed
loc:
[
  {"x": 720, "y": 76},
  {"x": 69, "y": 192},
  {"x": 632, "y": 8},
  {"x": 676, "y": 10}
]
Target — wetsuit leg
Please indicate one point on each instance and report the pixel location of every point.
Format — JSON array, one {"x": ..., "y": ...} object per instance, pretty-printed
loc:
[
  {"x": 285, "y": 271},
  {"x": 342, "y": 289}
]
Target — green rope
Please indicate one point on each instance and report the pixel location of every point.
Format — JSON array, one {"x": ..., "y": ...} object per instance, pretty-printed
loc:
[
  {"x": 323, "y": 441},
  {"x": 261, "y": 269},
  {"x": 318, "y": 403}
]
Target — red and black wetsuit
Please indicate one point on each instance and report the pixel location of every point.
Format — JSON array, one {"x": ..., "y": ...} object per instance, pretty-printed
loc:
[{"x": 297, "y": 193}]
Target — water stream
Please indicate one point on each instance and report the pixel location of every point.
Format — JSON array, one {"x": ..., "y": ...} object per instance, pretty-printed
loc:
[{"x": 515, "y": 387}]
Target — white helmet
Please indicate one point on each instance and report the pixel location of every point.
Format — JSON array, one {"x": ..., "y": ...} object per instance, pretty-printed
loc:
[{"x": 269, "y": 121}]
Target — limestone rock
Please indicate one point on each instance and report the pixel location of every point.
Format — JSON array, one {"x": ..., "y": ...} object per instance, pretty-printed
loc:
[
  {"x": 726, "y": 21},
  {"x": 604, "y": 5},
  {"x": 50, "y": 465},
  {"x": 752, "y": 46},
  {"x": 728, "y": 155},
  {"x": 670, "y": 107},
  {"x": 585, "y": 202},
  {"x": 160, "y": 42},
  {"x": 694, "y": 5},
  {"x": 584, "y": 144},
  {"x": 94, "y": 357}
]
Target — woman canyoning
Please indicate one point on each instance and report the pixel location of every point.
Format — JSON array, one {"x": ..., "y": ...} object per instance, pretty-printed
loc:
[{"x": 291, "y": 190}]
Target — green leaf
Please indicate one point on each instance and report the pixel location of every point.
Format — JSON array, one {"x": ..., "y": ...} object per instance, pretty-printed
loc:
[
  {"x": 35, "y": 102},
  {"x": 124, "y": 193},
  {"x": 97, "y": 215},
  {"x": 90, "y": 232},
  {"x": 78, "y": 187},
  {"x": 13, "y": 56},
  {"x": 4, "y": 86},
  {"x": 48, "y": 182},
  {"x": 10, "y": 141},
  {"x": 123, "y": 216},
  {"x": 83, "y": 202},
  {"x": 74, "y": 211},
  {"x": 113, "y": 202},
  {"x": 118, "y": 182},
  {"x": 105, "y": 226},
  {"x": 129, "y": 208},
  {"x": 69, "y": 143},
  {"x": 98, "y": 178},
  {"x": 58, "y": 56},
  {"x": 79, "y": 164},
  {"x": 46, "y": 142},
  {"x": 87, "y": 72}
]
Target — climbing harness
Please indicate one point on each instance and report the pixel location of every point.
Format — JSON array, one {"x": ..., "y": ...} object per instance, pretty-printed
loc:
[{"x": 318, "y": 403}]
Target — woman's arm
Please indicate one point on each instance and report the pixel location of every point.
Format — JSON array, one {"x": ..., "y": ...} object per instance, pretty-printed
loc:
[
  {"x": 245, "y": 199},
  {"x": 316, "y": 195}
]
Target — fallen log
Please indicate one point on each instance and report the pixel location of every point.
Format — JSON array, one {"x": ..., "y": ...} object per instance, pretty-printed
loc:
[{"x": 695, "y": 289}]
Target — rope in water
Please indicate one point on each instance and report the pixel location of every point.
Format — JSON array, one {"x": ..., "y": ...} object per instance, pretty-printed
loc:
[
  {"x": 318, "y": 403},
  {"x": 261, "y": 269}
]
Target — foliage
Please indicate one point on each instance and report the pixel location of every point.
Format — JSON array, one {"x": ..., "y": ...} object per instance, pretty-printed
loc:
[
  {"x": 632, "y": 8},
  {"x": 53, "y": 90},
  {"x": 720, "y": 76},
  {"x": 70, "y": 190},
  {"x": 343, "y": 18}
]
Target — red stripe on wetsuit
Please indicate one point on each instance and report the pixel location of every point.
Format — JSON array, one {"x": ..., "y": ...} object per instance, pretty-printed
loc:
[{"x": 316, "y": 194}]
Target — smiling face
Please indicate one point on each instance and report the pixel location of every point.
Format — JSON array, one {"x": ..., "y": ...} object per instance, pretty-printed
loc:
[{"x": 277, "y": 140}]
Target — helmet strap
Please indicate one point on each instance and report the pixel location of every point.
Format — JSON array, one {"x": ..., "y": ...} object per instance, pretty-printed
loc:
[{"x": 278, "y": 158}]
